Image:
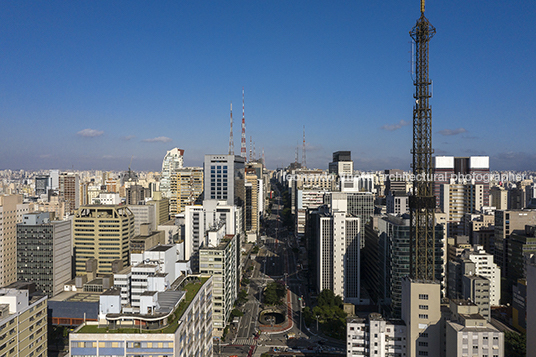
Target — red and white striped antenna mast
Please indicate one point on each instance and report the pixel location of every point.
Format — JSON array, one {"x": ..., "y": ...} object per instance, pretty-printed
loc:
[
  {"x": 231, "y": 139},
  {"x": 243, "y": 140}
]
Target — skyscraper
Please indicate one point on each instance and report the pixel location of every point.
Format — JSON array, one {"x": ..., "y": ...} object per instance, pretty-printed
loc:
[
  {"x": 102, "y": 233},
  {"x": 44, "y": 252},
  {"x": 173, "y": 160}
]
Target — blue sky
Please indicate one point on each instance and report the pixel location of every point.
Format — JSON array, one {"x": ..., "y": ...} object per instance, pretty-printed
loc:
[{"x": 88, "y": 85}]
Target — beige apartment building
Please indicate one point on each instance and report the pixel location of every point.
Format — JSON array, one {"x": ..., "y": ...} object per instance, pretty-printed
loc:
[
  {"x": 23, "y": 324},
  {"x": 11, "y": 211},
  {"x": 186, "y": 188}
]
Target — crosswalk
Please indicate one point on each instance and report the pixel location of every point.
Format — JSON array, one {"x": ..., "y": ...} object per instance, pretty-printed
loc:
[{"x": 244, "y": 341}]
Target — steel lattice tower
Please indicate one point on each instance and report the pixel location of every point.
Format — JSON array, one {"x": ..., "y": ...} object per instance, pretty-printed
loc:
[{"x": 422, "y": 202}]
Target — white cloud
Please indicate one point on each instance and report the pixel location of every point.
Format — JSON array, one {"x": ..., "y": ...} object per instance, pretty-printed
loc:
[
  {"x": 449, "y": 132},
  {"x": 393, "y": 127},
  {"x": 129, "y": 137},
  {"x": 160, "y": 139},
  {"x": 90, "y": 133}
]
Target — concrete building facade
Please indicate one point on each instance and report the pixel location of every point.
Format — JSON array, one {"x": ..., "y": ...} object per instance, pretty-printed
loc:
[{"x": 44, "y": 252}]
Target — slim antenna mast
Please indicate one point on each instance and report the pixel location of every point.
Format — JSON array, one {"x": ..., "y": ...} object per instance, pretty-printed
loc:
[
  {"x": 231, "y": 139},
  {"x": 304, "y": 164},
  {"x": 243, "y": 140}
]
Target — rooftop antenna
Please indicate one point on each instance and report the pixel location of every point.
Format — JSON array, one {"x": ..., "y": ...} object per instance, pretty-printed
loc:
[
  {"x": 231, "y": 139},
  {"x": 297, "y": 148},
  {"x": 243, "y": 140},
  {"x": 304, "y": 164},
  {"x": 263, "y": 162},
  {"x": 250, "y": 149},
  {"x": 254, "y": 153}
]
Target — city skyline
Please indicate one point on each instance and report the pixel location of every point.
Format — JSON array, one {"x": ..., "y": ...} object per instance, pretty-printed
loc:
[{"x": 92, "y": 85}]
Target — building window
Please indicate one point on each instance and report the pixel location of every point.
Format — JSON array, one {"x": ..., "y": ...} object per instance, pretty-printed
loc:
[
  {"x": 423, "y": 296},
  {"x": 423, "y": 307},
  {"x": 423, "y": 316}
]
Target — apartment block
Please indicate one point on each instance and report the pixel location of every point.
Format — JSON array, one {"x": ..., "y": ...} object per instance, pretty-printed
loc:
[
  {"x": 23, "y": 323},
  {"x": 11, "y": 212},
  {"x": 375, "y": 336},
  {"x": 44, "y": 251}
]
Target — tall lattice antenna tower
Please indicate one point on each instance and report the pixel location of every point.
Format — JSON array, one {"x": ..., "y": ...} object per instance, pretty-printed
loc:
[
  {"x": 263, "y": 162},
  {"x": 250, "y": 149},
  {"x": 304, "y": 163},
  {"x": 254, "y": 154},
  {"x": 243, "y": 140},
  {"x": 231, "y": 138},
  {"x": 296, "y": 156},
  {"x": 422, "y": 201}
]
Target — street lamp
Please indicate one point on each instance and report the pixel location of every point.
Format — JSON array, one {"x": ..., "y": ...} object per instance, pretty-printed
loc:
[{"x": 317, "y": 316}]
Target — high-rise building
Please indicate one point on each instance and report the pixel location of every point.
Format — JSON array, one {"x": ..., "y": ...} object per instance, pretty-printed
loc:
[
  {"x": 173, "y": 161},
  {"x": 531, "y": 301},
  {"x": 252, "y": 205},
  {"x": 69, "y": 190},
  {"x": 143, "y": 214},
  {"x": 520, "y": 244},
  {"x": 498, "y": 198},
  {"x": 161, "y": 206},
  {"x": 470, "y": 334},
  {"x": 337, "y": 238},
  {"x": 44, "y": 251},
  {"x": 342, "y": 164},
  {"x": 136, "y": 194},
  {"x": 375, "y": 336},
  {"x": 472, "y": 170},
  {"x": 186, "y": 189},
  {"x": 102, "y": 233},
  {"x": 392, "y": 239},
  {"x": 23, "y": 323},
  {"x": 505, "y": 223},
  {"x": 422, "y": 314},
  {"x": 11, "y": 212},
  {"x": 218, "y": 258},
  {"x": 225, "y": 179},
  {"x": 456, "y": 200},
  {"x": 42, "y": 184}
]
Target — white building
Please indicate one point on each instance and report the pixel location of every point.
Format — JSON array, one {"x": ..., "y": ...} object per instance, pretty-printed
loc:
[
  {"x": 338, "y": 267},
  {"x": 484, "y": 266},
  {"x": 469, "y": 334},
  {"x": 375, "y": 336},
  {"x": 173, "y": 160},
  {"x": 106, "y": 199},
  {"x": 219, "y": 259},
  {"x": 180, "y": 325}
]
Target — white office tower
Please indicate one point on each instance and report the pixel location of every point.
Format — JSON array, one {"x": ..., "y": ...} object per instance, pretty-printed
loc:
[
  {"x": 170, "y": 323},
  {"x": 338, "y": 265},
  {"x": 485, "y": 267},
  {"x": 199, "y": 219},
  {"x": 375, "y": 336},
  {"x": 470, "y": 334},
  {"x": 357, "y": 183},
  {"x": 422, "y": 314},
  {"x": 173, "y": 161}
]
